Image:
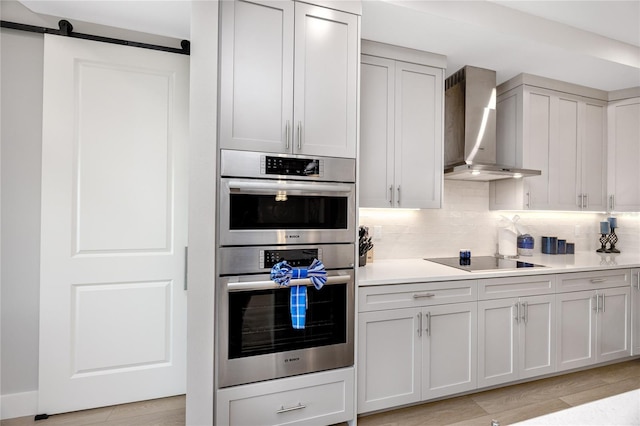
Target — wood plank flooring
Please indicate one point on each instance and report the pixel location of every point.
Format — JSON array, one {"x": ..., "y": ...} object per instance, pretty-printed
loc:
[
  {"x": 506, "y": 405},
  {"x": 516, "y": 403}
]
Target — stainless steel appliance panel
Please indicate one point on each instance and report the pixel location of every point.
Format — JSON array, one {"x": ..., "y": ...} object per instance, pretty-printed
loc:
[
  {"x": 260, "y": 259},
  {"x": 257, "y": 165}
]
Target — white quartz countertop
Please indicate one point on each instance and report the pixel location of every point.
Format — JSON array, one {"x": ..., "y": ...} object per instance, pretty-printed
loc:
[{"x": 400, "y": 271}]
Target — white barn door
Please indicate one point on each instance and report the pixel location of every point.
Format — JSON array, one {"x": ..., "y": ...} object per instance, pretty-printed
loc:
[{"x": 114, "y": 225}]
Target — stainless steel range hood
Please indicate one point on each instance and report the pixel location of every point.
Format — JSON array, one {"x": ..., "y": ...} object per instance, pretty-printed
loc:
[{"x": 470, "y": 128}]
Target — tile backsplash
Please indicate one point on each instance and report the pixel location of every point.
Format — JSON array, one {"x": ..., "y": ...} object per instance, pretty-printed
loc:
[{"x": 465, "y": 221}]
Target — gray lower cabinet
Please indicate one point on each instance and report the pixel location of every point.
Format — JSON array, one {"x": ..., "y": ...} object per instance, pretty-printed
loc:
[
  {"x": 593, "y": 321},
  {"x": 413, "y": 354},
  {"x": 635, "y": 312},
  {"x": 516, "y": 328},
  {"x": 423, "y": 341}
]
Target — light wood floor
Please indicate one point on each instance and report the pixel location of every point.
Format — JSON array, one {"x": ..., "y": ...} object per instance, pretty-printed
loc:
[{"x": 506, "y": 405}]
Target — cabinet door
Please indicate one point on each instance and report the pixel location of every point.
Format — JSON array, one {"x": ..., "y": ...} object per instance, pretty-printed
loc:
[
  {"x": 594, "y": 158},
  {"x": 536, "y": 126},
  {"x": 418, "y": 136},
  {"x": 563, "y": 180},
  {"x": 376, "y": 131},
  {"x": 635, "y": 312},
  {"x": 256, "y": 75},
  {"x": 612, "y": 324},
  {"x": 575, "y": 339},
  {"x": 449, "y": 348},
  {"x": 624, "y": 155},
  {"x": 388, "y": 358},
  {"x": 497, "y": 348},
  {"x": 537, "y": 336},
  {"x": 326, "y": 81}
]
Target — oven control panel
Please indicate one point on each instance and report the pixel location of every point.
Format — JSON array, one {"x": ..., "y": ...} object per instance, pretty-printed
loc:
[
  {"x": 294, "y": 257},
  {"x": 292, "y": 166}
]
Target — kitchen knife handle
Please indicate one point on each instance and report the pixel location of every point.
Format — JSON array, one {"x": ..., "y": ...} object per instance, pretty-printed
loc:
[{"x": 419, "y": 324}]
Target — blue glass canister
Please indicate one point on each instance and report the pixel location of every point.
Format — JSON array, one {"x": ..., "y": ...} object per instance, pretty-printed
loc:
[
  {"x": 525, "y": 245},
  {"x": 550, "y": 245}
]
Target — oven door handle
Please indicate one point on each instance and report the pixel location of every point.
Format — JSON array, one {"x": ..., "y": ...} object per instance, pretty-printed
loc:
[
  {"x": 282, "y": 186},
  {"x": 270, "y": 285}
]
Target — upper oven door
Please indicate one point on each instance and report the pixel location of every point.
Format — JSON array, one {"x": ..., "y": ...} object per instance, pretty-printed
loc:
[{"x": 263, "y": 211}]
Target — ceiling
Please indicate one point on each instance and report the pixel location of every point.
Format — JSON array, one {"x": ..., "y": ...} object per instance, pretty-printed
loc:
[{"x": 592, "y": 43}]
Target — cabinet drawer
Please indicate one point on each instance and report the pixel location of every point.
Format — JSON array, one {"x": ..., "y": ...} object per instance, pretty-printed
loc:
[
  {"x": 311, "y": 399},
  {"x": 578, "y": 281},
  {"x": 395, "y": 296},
  {"x": 498, "y": 288}
]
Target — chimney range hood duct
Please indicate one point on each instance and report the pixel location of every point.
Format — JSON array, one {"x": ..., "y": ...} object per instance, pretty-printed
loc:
[{"x": 470, "y": 128}]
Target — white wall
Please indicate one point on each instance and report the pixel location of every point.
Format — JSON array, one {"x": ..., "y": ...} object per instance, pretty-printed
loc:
[
  {"x": 21, "y": 118},
  {"x": 466, "y": 222}
]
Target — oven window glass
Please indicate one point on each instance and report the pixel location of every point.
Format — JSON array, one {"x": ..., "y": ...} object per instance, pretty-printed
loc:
[
  {"x": 260, "y": 321},
  {"x": 249, "y": 211}
]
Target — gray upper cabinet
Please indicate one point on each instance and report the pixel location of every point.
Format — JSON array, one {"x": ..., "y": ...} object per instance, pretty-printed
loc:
[
  {"x": 401, "y": 126},
  {"x": 624, "y": 155},
  {"x": 560, "y": 133},
  {"x": 288, "y": 78}
]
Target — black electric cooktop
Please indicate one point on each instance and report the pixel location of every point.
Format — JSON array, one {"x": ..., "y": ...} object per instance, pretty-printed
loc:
[{"x": 483, "y": 263}]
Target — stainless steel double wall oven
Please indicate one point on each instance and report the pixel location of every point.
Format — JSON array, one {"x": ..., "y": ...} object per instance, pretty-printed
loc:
[{"x": 275, "y": 207}]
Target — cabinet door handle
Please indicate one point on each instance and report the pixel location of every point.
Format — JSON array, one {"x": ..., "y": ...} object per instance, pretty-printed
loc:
[
  {"x": 299, "y": 135},
  {"x": 428, "y": 329},
  {"x": 580, "y": 200},
  {"x": 603, "y": 307},
  {"x": 598, "y": 280},
  {"x": 287, "y": 136},
  {"x": 286, "y": 410},
  {"x": 595, "y": 308},
  {"x": 398, "y": 194},
  {"x": 638, "y": 280},
  {"x": 517, "y": 307},
  {"x": 525, "y": 317},
  {"x": 528, "y": 202},
  {"x": 419, "y": 324},
  {"x": 422, "y": 295},
  {"x": 391, "y": 195},
  {"x": 586, "y": 201},
  {"x": 612, "y": 202}
]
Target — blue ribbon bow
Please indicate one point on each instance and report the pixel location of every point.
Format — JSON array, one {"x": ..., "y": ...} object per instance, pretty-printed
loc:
[{"x": 282, "y": 273}]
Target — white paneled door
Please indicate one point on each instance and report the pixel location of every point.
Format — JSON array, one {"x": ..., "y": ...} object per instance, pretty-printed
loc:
[{"x": 114, "y": 199}]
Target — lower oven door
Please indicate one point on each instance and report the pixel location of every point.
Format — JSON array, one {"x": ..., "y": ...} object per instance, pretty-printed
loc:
[{"x": 256, "y": 340}]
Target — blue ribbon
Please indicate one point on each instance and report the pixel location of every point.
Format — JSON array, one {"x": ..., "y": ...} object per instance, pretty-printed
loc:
[{"x": 282, "y": 273}]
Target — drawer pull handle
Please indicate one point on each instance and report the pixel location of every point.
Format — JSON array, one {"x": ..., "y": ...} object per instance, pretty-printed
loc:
[
  {"x": 286, "y": 410},
  {"x": 422, "y": 295},
  {"x": 598, "y": 280}
]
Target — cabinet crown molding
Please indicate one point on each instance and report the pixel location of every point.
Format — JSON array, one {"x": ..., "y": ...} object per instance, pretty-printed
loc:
[
  {"x": 405, "y": 54},
  {"x": 551, "y": 84}
]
